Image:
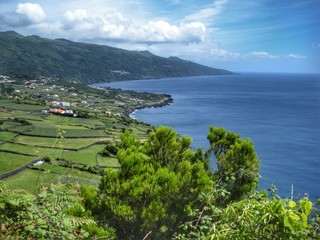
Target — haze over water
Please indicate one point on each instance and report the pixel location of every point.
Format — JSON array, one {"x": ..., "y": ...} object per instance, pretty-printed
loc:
[{"x": 280, "y": 113}]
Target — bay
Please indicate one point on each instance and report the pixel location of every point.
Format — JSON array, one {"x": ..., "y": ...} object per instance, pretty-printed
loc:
[{"x": 280, "y": 113}]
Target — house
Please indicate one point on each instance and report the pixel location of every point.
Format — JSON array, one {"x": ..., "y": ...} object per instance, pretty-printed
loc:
[
  {"x": 59, "y": 111},
  {"x": 60, "y": 104},
  {"x": 53, "y": 110},
  {"x": 65, "y": 104},
  {"x": 70, "y": 112},
  {"x": 55, "y": 104}
]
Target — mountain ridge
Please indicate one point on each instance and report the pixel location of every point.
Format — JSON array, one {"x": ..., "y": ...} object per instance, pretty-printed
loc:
[{"x": 34, "y": 56}]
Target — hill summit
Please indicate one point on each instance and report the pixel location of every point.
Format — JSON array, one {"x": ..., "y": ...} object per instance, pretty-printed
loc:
[{"x": 34, "y": 56}]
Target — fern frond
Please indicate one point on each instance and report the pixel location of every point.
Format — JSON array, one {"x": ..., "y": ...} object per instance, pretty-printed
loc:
[{"x": 79, "y": 221}]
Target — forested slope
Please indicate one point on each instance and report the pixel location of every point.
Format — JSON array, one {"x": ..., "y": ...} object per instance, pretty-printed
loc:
[{"x": 33, "y": 56}]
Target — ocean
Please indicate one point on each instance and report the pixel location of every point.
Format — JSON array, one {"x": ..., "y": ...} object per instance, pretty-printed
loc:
[{"x": 280, "y": 113}]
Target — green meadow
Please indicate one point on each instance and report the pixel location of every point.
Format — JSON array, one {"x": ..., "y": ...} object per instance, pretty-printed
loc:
[{"x": 10, "y": 162}]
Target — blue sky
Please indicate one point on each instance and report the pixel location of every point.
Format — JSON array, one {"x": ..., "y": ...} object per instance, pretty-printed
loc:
[{"x": 242, "y": 36}]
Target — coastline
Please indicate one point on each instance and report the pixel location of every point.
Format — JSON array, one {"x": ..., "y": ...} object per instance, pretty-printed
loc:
[{"x": 166, "y": 102}]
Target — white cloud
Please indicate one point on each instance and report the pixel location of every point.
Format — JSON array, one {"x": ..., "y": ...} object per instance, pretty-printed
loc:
[
  {"x": 77, "y": 15},
  {"x": 26, "y": 14},
  {"x": 263, "y": 55},
  {"x": 225, "y": 54},
  {"x": 207, "y": 13},
  {"x": 32, "y": 11},
  {"x": 204, "y": 52},
  {"x": 295, "y": 56},
  {"x": 114, "y": 26},
  {"x": 87, "y": 24}
]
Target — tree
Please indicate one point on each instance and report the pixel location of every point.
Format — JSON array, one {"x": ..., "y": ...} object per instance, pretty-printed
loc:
[
  {"x": 6, "y": 90},
  {"x": 158, "y": 181},
  {"x": 237, "y": 163}
]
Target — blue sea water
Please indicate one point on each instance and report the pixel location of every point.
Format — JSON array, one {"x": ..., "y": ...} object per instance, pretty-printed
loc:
[{"x": 280, "y": 113}]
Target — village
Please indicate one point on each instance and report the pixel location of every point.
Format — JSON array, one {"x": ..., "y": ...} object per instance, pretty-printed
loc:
[
  {"x": 70, "y": 99},
  {"x": 57, "y": 97}
]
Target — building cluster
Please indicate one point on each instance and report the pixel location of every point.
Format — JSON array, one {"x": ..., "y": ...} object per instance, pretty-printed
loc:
[
  {"x": 60, "y": 104},
  {"x": 31, "y": 84},
  {"x": 60, "y": 111},
  {"x": 59, "y": 108},
  {"x": 5, "y": 79}
]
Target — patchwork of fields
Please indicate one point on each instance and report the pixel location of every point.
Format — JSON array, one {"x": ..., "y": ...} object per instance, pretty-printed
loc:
[
  {"x": 73, "y": 142},
  {"x": 37, "y": 147}
]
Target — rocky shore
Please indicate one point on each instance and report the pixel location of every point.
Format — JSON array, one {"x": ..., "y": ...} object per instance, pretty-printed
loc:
[{"x": 167, "y": 100}]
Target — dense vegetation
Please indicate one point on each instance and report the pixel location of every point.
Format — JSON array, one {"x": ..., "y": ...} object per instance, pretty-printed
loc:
[
  {"x": 33, "y": 56},
  {"x": 163, "y": 190}
]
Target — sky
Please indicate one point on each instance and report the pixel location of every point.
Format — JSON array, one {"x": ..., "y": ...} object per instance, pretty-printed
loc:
[{"x": 237, "y": 35}]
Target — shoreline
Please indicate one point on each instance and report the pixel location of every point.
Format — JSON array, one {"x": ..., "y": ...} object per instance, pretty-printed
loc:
[{"x": 166, "y": 102}]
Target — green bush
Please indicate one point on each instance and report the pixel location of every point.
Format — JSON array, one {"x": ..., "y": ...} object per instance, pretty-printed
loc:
[{"x": 47, "y": 159}]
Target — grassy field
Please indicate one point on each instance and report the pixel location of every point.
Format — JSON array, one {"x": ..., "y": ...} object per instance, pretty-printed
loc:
[
  {"x": 30, "y": 116},
  {"x": 6, "y": 136},
  {"x": 6, "y": 113},
  {"x": 10, "y": 162},
  {"x": 85, "y": 156},
  {"x": 52, "y": 131},
  {"x": 81, "y": 133},
  {"x": 12, "y": 105},
  {"x": 69, "y": 143},
  {"x": 108, "y": 162},
  {"x": 54, "y": 168},
  {"x": 140, "y": 131},
  {"x": 49, "y": 131},
  {"x": 69, "y": 122},
  {"x": 80, "y": 177},
  {"x": 41, "y": 152},
  {"x": 30, "y": 180}
]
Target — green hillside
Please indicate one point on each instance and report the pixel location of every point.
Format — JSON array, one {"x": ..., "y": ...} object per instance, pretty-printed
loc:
[{"x": 33, "y": 56}]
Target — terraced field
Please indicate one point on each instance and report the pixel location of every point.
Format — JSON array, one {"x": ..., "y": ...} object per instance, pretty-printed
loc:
[
  {"x": 62, "y": 143},
  {"x": 80, "y": 145},
  {"x": 6, "y": 136},
  {"x": 85, "y": 156},
  {"x": 67, "y": 148},
  {"x": 30, "y": 179},
  {"x": 28, "y": 150},
  {"x": 10, "y": 161}
]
